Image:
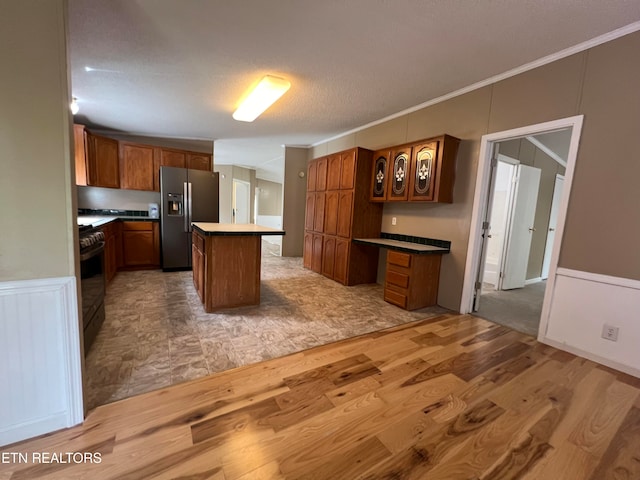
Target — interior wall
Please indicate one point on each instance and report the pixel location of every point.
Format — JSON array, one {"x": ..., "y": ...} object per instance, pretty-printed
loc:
[
  {"x": 294, "y": 198},
  {"x": 37, "y": 186},
  {"x": 603, "y": 209},
  {"x": 226, "y": 192},
  {"x": 269, "y": 197},
  {"x": 600, "y": 83}
]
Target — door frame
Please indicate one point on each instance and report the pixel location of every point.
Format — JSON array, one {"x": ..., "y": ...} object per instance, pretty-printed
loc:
[
  {"x": 483, "y": 177},
  {"x": 548, "y": 250}
]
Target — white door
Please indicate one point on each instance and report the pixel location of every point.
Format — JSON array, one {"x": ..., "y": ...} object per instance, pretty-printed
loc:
[
  {"x": 553, "y": 222},
  {"x": 241, "y": 201},
  {"x": 520, "y": 231},
  {"x": 500, "y": 207}
]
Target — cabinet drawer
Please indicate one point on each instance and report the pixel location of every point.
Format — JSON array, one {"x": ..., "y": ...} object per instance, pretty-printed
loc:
[
  {"x": 397, "y": 278},
  {"x": 399, "y": 258},
  {"x": 138, "y": 226},
  {"x": 395, "y": 297},
  {"x": 198, "y": 242}
]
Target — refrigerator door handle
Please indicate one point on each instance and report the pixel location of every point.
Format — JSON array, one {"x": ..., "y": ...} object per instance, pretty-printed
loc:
[
  {"x": 185, "y": 201},
  {"x": 190, "y": 207}
]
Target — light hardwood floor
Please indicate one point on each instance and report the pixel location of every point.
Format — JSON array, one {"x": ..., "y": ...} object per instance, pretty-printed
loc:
[{"x": 451, "y": 397}]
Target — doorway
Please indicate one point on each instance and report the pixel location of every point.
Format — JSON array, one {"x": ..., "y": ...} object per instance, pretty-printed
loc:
[
  {"x": 241, "y": 201},
  {"x": 516, "y": 298}
]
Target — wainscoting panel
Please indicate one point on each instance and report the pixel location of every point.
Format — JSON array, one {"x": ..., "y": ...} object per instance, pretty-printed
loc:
[
  {"x": 582, "y": 303},
  {"x": 40, "y": 363}
]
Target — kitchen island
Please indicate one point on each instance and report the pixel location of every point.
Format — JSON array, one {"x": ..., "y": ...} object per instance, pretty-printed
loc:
[{"x": 226, "y": 263}]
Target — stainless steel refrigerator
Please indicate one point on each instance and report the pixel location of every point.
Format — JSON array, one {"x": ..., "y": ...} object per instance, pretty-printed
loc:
[{"x": 187, "y": 196}]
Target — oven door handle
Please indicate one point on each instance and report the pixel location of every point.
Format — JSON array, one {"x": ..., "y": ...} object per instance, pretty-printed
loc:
[{"x": 99, "y": 247}]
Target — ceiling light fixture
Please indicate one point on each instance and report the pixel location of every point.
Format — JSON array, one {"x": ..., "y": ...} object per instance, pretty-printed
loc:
[
  {"x": 262, "y": 97},
  {"x": 74, "y": 106}
]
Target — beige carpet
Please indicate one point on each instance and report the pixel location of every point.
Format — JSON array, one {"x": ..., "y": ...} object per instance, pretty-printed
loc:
[{"x": 519, "y": 308}]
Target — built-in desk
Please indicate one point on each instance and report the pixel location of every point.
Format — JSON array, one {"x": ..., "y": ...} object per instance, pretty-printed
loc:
[
  {"x": 226, "y": 263},
  {"x": 413, "y": 268}
]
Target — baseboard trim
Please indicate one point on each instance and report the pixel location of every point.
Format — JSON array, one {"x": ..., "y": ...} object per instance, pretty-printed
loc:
[
  {"x": 592, "y": 356},
  {"x": 533, "y": 280}
]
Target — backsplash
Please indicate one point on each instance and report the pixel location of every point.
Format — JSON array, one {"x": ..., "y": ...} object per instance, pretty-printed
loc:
[
  {"x": 113, "y": 212},
  {"x": 421, "y": 240},
  {"x": 97, "y": 198}
]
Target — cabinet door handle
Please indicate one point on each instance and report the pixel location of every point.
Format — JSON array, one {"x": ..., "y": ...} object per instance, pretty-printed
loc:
[{"x": 532, "y": 229}]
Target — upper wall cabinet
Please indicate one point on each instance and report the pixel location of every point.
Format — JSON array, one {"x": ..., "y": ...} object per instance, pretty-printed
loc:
[
  {"x": 136, "y": 166},
  {"x": 102, "y": 166},
  {"x": 398, "y": 177},
  {"x": 433, "y": 169},
  {"x": 199, "y": 161},
  {"x": 380, "y": 172},
  {"x": 104, "y": 162},
  {"x": 422, "y": 171}
]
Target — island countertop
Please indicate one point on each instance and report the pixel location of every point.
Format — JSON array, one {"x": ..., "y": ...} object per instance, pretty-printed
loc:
[{"x": 208, "y": 229}]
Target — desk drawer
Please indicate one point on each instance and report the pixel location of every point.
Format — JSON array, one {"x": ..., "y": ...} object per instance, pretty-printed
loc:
[
  {"x": 396, "y": 298},
  {"x": 397, "y": 278},
  {"x": 398, "y": 258}
]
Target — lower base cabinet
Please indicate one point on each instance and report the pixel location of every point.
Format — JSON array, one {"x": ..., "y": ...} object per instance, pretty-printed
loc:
[
  {"x": 112, "y": 249},
  {"x": 411, "y": 281},
  {"x": 140, "y": 245},
  {"x": 198, "y": 263}
]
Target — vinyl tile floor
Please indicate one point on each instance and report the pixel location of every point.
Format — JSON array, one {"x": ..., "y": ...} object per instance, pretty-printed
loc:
[{"x": 156, "y": 332}]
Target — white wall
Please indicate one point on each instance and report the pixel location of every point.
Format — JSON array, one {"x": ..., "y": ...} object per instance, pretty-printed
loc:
[
  {"x": 40, "y": 345},
  {"x": 582, "y": 303}
]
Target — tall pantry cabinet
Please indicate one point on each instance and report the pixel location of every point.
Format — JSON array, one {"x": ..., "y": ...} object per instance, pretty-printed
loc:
[{"x": 337, "y": 210}]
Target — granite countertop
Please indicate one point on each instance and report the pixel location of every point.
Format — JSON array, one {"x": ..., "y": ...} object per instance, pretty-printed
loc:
[
  {"x": 99, "y": 220},
  {"x": 408, "y": 243},
  {"x": 235, "y": 229},
  {"x": 402, "y": 246}
]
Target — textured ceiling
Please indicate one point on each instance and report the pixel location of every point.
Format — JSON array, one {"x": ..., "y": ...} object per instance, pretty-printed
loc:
[{"x": 174, "y": 68}]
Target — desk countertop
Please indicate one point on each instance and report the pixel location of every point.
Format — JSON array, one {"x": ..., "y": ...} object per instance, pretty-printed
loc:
[{"x": 409, "y": 247}]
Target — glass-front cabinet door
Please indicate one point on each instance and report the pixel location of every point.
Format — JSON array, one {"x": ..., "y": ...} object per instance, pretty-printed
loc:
[
  {"x": 379, "y": 176},
  {"x": 423, "y": 171},
  {"x": 399, "y": 174}
]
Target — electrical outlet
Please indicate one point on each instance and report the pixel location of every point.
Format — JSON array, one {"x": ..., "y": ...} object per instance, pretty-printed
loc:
[
  {"x": 610, "y": 332},
  {"x": 394, "y": 220}
]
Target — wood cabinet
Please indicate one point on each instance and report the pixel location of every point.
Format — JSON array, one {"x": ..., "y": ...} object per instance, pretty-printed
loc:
[
  {"x": 421, "y": 171},
  {"x": 411, "y": 281},
  {"x": 170, "y": 157},
  {"x": 226, "y": 269},
  {"x": 398, "y": 177},
  {"x": 199, "y": 161},
  {"x": 433, "y": 165},
  {"x": 198, "y": 262},
  {"x": 102, "y": 165},
  {"x": 80, "y": 153},
  {"x": 140, "y": 244},
  {"x": 136, "y": 166},
  {"x": 112, "y": 248},
  {"x": 379, "y": 175},
  {"x": 337, "y": 214}
]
